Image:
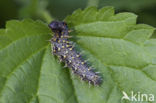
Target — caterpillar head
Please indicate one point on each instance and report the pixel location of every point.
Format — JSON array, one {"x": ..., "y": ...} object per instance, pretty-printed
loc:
[{"x": 57, "y": 26}]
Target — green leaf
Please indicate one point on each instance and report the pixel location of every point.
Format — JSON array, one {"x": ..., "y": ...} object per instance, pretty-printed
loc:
[
  {"x": 28, "y": 71},
  {"x": 120, "y": 49}
]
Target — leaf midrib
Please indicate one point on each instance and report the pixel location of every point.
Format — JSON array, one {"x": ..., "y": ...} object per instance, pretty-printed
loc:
[
  {"x": 15, "y": 40},
  {"x": 19, "y": 64}
]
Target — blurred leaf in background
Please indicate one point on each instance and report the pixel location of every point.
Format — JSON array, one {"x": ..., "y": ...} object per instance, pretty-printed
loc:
[
  {"x": 131, "y": 5},
  {"x": 8, "y": 10},
  {"x": 35, "y": 9},
  {"x": 32, "y": 8},
  {"x": 59, "y": 9}
]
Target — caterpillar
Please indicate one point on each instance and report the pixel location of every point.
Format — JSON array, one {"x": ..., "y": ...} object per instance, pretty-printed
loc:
[{"x": 63, "y": 48}]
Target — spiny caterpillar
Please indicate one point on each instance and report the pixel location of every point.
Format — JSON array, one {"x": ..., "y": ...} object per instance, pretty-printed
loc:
[{"x": 64, "y": 50}]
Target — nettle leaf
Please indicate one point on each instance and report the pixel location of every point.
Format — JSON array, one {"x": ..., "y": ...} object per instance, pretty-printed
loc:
[
  {"x": 28, "y": 71},
  {"x": 120, "y": 49},
  {"x": 114, "y": 44}
]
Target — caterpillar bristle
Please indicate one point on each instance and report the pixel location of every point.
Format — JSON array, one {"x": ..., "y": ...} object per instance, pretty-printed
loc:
[
  {"x": 65, "y": 50},
  {"x": 70, "y": 31}
]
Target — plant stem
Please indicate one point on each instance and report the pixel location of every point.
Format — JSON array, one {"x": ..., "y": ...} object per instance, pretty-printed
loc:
[
  {"x": 46, "y": 16},
  {"x": 93, "y": 3}
]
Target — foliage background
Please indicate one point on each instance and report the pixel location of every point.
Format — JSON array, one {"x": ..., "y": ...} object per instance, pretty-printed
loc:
[
  {"x": 59, "y": 9},
  {"x": 38, "y": 54}
]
